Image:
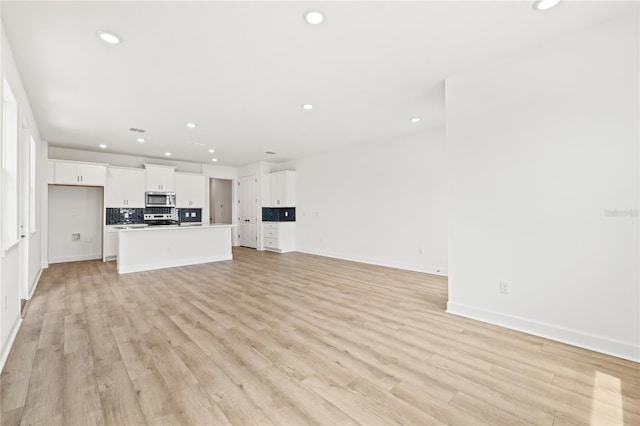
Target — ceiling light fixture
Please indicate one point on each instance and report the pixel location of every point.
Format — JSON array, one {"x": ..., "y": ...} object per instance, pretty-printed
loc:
[
  {"x": 191, "y": 125},
  {"x": 307, "y": 106},
  {"x": 214, "y": 160},
  {"x": 545, "y": 4},
  {"x": 168, "y": 154},
  {"x": 313, "y": 17},
  {"x": 141, "y": 140},
  {"x": 415, "y": 119},
  {"x": 109, "y": 37},
  {"x": 211, "y": 151},
  {"x": 103, "y": 146}
]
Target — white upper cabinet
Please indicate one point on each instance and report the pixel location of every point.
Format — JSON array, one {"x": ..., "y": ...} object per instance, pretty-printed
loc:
[
  {"x": 77, "y": 173},
  {"x": 161, "y": 178},
  {"x": 190, "y": 189},
  {"x": 126, "y": 187},
  {"x": 282, "y": 189}
]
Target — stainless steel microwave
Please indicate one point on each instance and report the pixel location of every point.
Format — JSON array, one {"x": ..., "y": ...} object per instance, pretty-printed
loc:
[{"x": 160, "y": 199}]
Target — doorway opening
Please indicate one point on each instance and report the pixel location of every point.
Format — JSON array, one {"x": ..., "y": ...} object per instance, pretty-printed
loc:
[{"x": 220, "y": 200}]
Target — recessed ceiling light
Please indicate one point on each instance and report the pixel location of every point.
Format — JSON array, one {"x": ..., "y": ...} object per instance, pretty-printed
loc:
[
  {"x": 141, "y": 140},
  {"x": 545, "y": 4},
  {"x": 191, "y": 125},
  {"x": 307, "y": 106},
  {"x": 211, "y": 151},
  {"x": 168, "y": 154},
  {"x": 109, "y": 37},
  {"x": 214, "y": 160},
  {"x": 415, "y": 119},
  {"x": 103, "y": 146},
  {"x": 313, "y": 17}
]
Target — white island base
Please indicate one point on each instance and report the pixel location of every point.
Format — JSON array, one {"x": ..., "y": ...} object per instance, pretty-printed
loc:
[{"x": 158, "y": 247}]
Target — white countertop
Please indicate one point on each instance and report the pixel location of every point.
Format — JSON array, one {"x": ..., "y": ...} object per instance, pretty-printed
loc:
[{"x": 165, "y": 227}]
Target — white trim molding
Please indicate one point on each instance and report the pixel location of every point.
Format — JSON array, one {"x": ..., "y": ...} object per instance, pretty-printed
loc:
[
  {"x": 9, "y": 343},
  {"x": 625, "y": 350},
  {"x": 427, "y": 269}
]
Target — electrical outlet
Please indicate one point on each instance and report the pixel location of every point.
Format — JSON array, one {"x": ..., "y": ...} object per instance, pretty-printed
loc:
[
  {"x": 75, "y": 236},
  {"x": 504, "y": 287}
]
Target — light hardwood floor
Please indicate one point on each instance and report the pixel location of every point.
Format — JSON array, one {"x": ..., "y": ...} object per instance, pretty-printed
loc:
[{"x": 289, "y": 339}]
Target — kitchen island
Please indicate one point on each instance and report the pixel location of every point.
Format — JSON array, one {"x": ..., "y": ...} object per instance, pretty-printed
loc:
[{"x": 157, "y": 247}]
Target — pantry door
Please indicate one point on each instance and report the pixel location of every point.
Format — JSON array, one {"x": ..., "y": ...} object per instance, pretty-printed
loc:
[{"x": 248, "y": 211}]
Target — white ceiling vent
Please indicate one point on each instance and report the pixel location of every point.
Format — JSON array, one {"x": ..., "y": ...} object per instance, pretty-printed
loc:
[{"x": 133, "y": 129}]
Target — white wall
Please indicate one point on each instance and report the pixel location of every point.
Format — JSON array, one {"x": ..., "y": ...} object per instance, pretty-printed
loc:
[
  {"x": 542, "y": 144},
  {"x": 120, "y": 160},
  {"x": 377, "y": 203},
  {"x": 75, "y": 209},
  {"x": 11, "y": 286}
]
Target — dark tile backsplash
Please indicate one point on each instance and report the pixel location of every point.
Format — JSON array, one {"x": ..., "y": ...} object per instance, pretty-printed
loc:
[
  {"x": 278, "y": 214},
  {"x": 190, "y": 215},
  {"x": 120, "y": 215},
  {"x": 116, "y": 216}
]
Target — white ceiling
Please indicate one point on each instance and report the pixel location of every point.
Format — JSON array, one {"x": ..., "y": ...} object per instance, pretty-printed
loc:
[{"x": 241, "y": 70}]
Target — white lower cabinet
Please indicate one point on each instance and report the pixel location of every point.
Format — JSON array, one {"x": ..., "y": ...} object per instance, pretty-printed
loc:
[
  {"x": 279, "y": 236},
  {"x": 110, "y": 243}
]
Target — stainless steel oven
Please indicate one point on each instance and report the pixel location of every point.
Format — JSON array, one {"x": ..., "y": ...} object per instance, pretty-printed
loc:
[
  {"x": 160, "y": 199},
  {"x": 153, "y": 219}
]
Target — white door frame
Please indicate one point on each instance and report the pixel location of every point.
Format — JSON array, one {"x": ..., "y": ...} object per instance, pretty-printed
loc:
[{"x": 248, "y": 212}]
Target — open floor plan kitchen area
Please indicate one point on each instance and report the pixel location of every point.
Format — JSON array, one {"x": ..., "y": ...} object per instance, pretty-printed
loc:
[{"x": 320, "y": 213}]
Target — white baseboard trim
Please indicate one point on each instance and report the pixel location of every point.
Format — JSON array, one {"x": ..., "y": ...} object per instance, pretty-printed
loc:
[
  {"x": 34, "y": 285},
  {"x": 435, "y": 270},
  {"x": 9, "y": 343},
  {"x": 75, "y": 258},
  {"x": 569, "y": 336}
]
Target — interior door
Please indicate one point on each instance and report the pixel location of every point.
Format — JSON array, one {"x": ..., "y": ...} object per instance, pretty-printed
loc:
[
  {"x": 24, "y": 199},
  {"x": 248, "y": 211}
]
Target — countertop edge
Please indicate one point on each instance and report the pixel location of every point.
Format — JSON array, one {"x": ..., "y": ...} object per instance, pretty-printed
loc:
[{"x": 173, "y": 227}]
